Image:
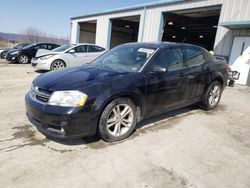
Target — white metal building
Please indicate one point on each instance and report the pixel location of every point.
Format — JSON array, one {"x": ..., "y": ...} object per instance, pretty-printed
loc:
[{"x": 219, "y": 25}]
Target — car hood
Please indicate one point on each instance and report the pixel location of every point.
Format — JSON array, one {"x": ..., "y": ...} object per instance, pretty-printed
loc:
[
  {"x": 13, "y": 50},
  {"x": 42, "y": 52},
  {"x": 47, "y": 53},
  {"x": 75, "y": 77}
]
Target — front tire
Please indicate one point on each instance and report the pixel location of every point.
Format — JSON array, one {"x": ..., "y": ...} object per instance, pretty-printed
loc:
[
  {"x": 118, "y": 120},
  {"x": 212, "y": 96},
  {"x": 57, "y": 64},
  {"x": 23, "y": 59}
]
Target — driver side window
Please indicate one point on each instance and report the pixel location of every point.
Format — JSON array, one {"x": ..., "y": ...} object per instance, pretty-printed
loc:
[
  {"x": 171, "y": 59},
  {"x": 80, "y": 49}
]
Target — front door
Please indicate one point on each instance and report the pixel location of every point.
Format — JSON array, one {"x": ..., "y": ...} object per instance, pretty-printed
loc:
[
  {"x": 79, "y": 57},
  {"x": 166, "y": 90}
]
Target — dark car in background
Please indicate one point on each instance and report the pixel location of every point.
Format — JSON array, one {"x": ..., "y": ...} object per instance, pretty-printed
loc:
[
  {"x": 4, "y": 51},
  {"x": 24, "y": 55},
  {"x": 128, "y": 83}
]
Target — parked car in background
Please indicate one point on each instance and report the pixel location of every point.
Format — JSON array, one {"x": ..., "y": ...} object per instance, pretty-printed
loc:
[
  {"x": 4, "y": 51},
  {"x": 25, "y": 54},
  {"x": 67, "y": 56},
  {"x": 128, "y": 83},
  {"x": 2, "y": 56}
]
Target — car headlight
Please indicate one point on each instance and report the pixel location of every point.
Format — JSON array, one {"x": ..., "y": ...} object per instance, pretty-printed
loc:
[
  {"x": 70, "y": 98},
  {"x": 46, "y": 56},
  {"x": 16, "y": 52}
]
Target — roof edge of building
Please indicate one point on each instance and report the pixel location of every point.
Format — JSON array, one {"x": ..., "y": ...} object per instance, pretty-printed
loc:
[{"x": 142, "y": 6}]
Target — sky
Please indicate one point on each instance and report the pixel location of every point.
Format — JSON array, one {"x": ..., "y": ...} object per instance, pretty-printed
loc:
[{"x": 52, "y": 16}]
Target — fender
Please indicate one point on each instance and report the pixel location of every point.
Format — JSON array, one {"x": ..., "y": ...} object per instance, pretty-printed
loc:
[{"x": 216, "y": 75}]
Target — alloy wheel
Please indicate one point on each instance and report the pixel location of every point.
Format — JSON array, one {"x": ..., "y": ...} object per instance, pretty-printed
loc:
[
  {"x": 120, "y": 120},
  {"x": 214, "y": 95},
  {"x": 23, "y": 59},
  {"x": 57, "y": 65}
]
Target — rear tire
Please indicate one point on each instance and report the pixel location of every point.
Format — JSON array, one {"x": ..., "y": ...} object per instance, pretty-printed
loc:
[
  {"x": 118, "y": 120},
  {"x": 57, "y": 64},
  {"x": 212, "y": 96}
]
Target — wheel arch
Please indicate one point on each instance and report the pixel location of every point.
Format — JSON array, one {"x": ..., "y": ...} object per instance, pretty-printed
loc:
[
  {"x": 136, "y": 98},
  {"x": 217, "y": 76}
]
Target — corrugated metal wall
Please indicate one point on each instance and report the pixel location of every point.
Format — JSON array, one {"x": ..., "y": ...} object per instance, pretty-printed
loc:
[
  {"x": 104, "y": 26},
  {"x": 231, "y": 11}
]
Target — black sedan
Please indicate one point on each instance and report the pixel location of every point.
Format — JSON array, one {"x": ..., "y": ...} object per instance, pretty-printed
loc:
[
  {"x": 130, "y": 82},
  {"x": 24, "y": 55},
  {"x": 4, "y": 51}
]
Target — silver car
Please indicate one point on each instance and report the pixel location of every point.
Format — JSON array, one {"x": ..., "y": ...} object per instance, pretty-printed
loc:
[{"x": 67, "y": 56}]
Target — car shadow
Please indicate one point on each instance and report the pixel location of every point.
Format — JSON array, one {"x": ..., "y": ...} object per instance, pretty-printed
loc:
[
  {"x": 41, "y": 71},
  {"x": 95, "y": 142},
  {"x": 12, "y": 62},
  {"x": 166, "y": 115},
  {"x": 76, "y": 141}
]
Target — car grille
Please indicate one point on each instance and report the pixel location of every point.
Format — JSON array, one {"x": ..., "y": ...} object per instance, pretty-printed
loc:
[{"x": 40, "y": 95}]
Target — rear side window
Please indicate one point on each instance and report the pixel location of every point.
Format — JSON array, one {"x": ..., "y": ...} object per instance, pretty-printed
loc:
[
  {"x": 95, "y": 48},
  {"x": 194, "y": 56},
  {"x": 171, "y": 59},
  {"x": 81, "y": 49}
]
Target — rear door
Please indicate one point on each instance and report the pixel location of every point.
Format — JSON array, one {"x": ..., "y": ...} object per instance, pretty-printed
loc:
[
  {"x": 197, "y": 69},
  {"x": 166, "y": 89}
]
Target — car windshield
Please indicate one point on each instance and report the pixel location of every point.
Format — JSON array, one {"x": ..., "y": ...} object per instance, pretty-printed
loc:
[
  {"x": 29, "y": 46},
  {"x": 129, "y": 58},
  {"x": 18, "y": 46},
  {"x": 63, "y": 48}
]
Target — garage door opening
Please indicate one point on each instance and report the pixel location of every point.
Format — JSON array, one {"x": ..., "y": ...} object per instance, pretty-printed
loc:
[
  {"x": 195, "y": 27},
  {"x": 124, "y": 30},
  {"x": 87, "y": 32}
]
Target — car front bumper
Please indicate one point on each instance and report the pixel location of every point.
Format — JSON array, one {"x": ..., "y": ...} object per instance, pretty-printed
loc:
[
  {"x": 40, "y": 64},
  {"x": 11, "y": 57},
  {"x": 61, "y": 122}
]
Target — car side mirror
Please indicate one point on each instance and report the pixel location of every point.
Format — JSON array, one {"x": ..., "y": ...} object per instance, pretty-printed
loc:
[
  {"x": 72, "y": 51},
  {"x": 158, "y": 69}
]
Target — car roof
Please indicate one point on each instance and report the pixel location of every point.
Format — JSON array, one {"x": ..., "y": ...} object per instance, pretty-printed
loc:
[
  {"x": 77, "y": 44},
  {"x": 156, "y": 45},
  {"x": 45, "y": 43}
]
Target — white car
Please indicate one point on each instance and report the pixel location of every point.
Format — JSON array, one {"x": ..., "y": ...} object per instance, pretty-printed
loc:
[{"x": 66, "y": 56}]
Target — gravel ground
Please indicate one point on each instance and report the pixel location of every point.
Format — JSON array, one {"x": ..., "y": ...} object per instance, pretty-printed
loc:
[{"x": 185, "y": 148}]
